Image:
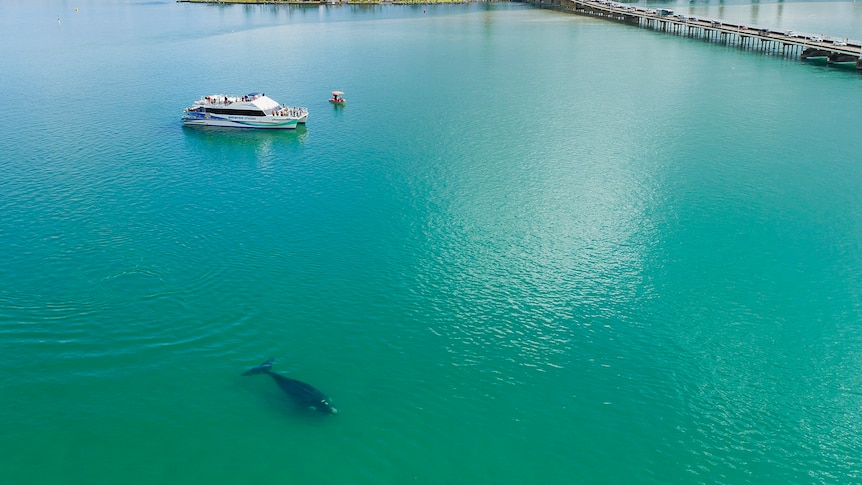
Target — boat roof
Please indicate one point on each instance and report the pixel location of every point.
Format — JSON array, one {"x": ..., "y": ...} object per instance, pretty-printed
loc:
[
  {"x": 265, "y": 103},
  {"x": 253, "y": 101},
  {"x": 338, "y": 93}
]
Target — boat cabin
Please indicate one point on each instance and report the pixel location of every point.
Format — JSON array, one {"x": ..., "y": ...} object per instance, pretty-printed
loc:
[{"x": 253, "y": 104}]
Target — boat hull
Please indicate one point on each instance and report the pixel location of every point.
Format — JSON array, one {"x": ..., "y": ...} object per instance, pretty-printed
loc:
[{"x": 232, "y": 121}]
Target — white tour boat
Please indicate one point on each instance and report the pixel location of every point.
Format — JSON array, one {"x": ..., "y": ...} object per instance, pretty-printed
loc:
[{"x": 255, "y": 110}]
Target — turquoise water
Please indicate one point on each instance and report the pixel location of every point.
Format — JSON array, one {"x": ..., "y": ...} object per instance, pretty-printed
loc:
[{"x": 532, "y": 248}]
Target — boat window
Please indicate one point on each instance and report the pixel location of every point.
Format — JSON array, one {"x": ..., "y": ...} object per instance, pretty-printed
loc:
[{"x": 237, "y": 112}]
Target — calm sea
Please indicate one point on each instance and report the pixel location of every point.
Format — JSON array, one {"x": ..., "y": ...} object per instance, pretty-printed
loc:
[{"x": 532, "y": 248}]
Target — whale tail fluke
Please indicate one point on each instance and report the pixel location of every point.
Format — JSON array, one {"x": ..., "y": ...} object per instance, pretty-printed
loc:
[{"x": 262, "y": 368}]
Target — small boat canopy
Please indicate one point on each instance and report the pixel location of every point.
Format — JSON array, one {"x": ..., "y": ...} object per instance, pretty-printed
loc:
[{"x": 337, "y": 93}]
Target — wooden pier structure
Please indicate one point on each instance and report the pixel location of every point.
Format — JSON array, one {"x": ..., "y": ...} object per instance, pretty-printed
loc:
[{"x": 786, "y": 44}]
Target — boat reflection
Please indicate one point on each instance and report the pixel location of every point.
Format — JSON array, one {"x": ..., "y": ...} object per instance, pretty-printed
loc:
[
  {"x": 266, "y": 148},
  {"x": 238, "y": 137}
]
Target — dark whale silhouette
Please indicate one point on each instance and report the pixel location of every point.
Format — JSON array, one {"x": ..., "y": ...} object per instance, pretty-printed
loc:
[{"x": 304, "y": 394}]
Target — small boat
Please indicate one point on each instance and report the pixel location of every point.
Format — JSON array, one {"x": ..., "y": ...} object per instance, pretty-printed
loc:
[
  {"x": 337, "y": 98},
  {"x": 255, "y": 110}
]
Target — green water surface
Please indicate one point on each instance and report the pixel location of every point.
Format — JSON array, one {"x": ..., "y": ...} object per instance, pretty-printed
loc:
[{"x": 532, "y": 248}]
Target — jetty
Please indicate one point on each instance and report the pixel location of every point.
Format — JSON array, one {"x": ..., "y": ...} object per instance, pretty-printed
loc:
[{"x": 774, "y": 42}]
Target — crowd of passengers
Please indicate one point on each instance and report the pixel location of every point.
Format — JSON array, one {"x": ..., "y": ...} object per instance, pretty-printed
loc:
[{"x": 225, "y": 100}]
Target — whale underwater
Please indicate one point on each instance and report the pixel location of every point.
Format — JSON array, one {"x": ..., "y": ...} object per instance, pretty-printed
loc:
[{"x": 303, "y": 394}]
